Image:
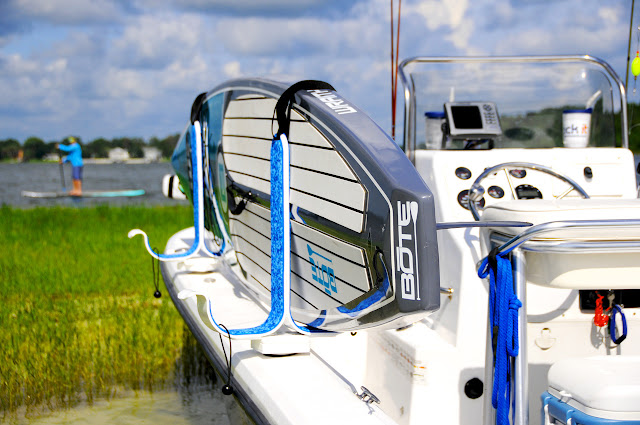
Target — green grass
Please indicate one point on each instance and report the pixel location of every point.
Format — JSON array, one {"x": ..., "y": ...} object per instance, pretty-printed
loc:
[{"x": 77, "y": 312}]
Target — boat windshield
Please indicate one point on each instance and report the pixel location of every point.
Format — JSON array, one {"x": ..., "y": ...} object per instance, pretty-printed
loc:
[{"x": 527, "y": 102}]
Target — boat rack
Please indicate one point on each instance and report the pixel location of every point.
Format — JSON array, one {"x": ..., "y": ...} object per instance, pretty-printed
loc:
[{"x": 517, "y": 246}]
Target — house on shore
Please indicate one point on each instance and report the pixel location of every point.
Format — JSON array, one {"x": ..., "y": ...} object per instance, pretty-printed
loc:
[
  {"x": 119, "y": 155},
  {"x": 151, "y": 154}
]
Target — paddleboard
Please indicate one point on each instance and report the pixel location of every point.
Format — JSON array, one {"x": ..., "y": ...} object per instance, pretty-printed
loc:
[
  {"x": 85, "y": 194},
  {"x": 363, "y": 235}
]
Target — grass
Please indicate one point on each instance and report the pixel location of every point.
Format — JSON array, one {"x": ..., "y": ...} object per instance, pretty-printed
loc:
[{"x": 77, "y": 312}]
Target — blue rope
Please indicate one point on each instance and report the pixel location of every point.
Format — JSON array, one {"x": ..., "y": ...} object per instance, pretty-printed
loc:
[
  {"x": 503, "y": 318},
  {"x": 277, "y": 245},
  {"x": 612, "y": 325}
]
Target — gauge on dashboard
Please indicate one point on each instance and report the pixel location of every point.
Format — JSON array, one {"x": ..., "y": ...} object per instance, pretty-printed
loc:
[
  {"x": 463, "y": 200},
  {"x": 526, "y": 191},
  {"x": 463, "y": 173},
  {"x": 518, "y": 173},
  {"x": 495, "y": 192}
]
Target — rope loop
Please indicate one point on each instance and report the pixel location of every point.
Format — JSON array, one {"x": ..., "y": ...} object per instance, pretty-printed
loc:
[
  {"x": 612, "y": 325},
  {"x": 504, "y": 306}
]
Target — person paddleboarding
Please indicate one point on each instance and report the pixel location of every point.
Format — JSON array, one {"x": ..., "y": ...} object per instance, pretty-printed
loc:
[{"x": 75, "y": 158}]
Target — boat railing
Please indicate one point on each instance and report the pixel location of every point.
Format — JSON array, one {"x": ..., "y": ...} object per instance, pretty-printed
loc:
[
  {"x": 410, "y": 92},
  {"x": 529, "y": 240}
]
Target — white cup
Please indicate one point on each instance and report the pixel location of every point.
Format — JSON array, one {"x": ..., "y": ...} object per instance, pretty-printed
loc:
[
  {"x": 576, "y": 126},
  {"x": 433, "y": 131}
]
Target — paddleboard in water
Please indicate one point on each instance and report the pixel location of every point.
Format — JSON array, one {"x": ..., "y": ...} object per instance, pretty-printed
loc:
[
  {"x": 363, "y": 234},
  {"x": 85, "y": 194}
]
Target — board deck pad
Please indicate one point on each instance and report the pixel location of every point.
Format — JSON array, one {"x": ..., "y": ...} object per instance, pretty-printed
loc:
[
  {"x": 85, "y": 194},
  {"x": 363, "y": 234}
]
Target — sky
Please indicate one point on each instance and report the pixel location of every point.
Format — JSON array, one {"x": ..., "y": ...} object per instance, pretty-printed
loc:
[{"x": 132, "y": 68}]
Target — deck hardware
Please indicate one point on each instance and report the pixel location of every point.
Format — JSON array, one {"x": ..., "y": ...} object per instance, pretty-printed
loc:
[
  {"x": 367, "y": 396},
  {"x": 404, "y": 328},
  {"x": 545, "y": 340},
  {"x": 474, "y": 388},
  {"x": 446, "y": 291},
  {"x": 564, "y": 396}
]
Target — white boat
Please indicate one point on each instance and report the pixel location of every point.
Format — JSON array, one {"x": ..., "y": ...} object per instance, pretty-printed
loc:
[{"x": 540, "y": 143}]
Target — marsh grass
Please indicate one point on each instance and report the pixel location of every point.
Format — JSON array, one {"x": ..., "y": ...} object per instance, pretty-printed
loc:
[{"x": 78, "y": 320}]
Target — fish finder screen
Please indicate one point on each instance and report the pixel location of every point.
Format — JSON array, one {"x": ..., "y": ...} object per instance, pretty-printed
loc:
[{"x": 466, "y": 117}]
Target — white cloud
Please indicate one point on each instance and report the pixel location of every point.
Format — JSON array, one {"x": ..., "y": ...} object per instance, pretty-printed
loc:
[
  {"x": 442, "y": 13},
  {"x": 155, "y": 41},
  {"x": 127, "y": 84},
  {"x": 232, "y": 69},
  {"x": 185, "y": 75}
]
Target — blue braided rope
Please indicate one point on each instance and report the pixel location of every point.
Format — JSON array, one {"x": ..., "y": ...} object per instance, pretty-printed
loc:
[
  {"x": 277, "y": 246},
  {"x": 503, "y": 315}
]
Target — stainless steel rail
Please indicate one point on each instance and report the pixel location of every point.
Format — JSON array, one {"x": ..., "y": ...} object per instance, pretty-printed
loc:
[
  {"x": 572, "y": 244},
  {"x": 409, "y": 89}
]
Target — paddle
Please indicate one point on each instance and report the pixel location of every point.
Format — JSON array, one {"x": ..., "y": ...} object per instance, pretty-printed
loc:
[{"x": 64, "y": 188}]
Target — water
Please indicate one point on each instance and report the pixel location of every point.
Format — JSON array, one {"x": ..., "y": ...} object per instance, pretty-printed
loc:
[
  {"x": 195, "y": 399},
  {"x": 45, "y": 177},
  {"x": 163, "y": 408}
]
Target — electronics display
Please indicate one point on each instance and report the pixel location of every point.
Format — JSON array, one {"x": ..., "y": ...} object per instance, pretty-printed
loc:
[
  {"x": 526, "y": 191},
  {"x": 469, "y": 120}
]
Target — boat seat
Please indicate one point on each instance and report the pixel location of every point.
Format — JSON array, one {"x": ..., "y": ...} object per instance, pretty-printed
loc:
[
  {"x": 539, "y": 211},
  {"x": 613, "y": 267}
]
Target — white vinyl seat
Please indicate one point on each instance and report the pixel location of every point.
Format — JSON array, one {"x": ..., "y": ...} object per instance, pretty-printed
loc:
[
  {"x": 537, "y": 211},
  {"x": 574, "y": 267}
]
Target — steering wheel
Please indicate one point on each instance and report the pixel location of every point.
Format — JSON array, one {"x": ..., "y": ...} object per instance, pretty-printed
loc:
[{"x": 477, "y": 191}]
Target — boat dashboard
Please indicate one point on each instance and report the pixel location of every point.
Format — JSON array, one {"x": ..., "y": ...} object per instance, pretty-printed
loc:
[{"x": 601, "y": 172}]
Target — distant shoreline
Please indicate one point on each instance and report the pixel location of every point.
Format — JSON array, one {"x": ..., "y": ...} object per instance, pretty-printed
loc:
[{"x": 117, "y": 161}]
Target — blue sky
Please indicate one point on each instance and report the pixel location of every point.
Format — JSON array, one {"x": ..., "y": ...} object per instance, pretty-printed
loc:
[{"x": 112, "y": 68}]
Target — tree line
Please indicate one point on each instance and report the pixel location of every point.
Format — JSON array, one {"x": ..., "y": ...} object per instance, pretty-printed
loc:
[{"x": 35, "y": 148}]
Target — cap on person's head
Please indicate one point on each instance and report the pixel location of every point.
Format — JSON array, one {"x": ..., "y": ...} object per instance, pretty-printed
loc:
[{"x": 72, "y": 139}]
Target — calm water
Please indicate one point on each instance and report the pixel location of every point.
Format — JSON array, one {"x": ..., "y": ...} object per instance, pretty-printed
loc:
[
  {"x": 195, "y": 397},
  {"x": 45, "y": 177}
]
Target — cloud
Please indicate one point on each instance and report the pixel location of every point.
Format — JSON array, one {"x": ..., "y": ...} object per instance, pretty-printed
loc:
[
  {"x": 258, "y": 8},
  {"x": 73, "y": 12},
  {"x": 154, "y": 41},
  {"x": 232, "y": 69},
  {"x": 442, "y": 13},
  {"x": 133, "y": 67}
]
